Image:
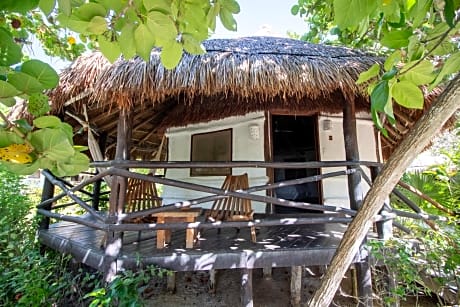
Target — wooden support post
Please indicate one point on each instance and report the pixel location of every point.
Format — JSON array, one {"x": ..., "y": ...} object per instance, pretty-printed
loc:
[
  {"x": 47, "y": 193},
  {"x": 246, "y": 288},
  {"x": 212, "y": 281},
  {"x": 296, "y": 285},
  {"x": 117, "y": 197},
  {"x": 267, "y": 272},
  {"x": 384, "y": 228},
  {"x": 171, "y": 282},
  {"x": 355, "y": 194},
  {"x": 97, "y": 185}
]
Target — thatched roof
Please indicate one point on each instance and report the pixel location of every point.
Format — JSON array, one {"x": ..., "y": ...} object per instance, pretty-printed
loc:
[{"x": 234, "y": 77}]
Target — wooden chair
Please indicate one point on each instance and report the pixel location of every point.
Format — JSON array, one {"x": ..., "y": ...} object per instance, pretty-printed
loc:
[
  {"x": 233, "y": 208},
  {"x": 140, "y": 195}
]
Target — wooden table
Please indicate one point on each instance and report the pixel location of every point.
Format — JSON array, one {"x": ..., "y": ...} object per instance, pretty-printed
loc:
[{"x": 186, "y": 215}]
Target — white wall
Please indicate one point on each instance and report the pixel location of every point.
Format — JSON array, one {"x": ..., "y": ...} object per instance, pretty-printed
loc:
[
  {"x": 332, "y": 148},
  {"x": 244, "y": 148}
]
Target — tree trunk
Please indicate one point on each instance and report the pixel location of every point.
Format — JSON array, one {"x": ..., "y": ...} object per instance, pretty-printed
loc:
[{"x": 416, "y": 140}]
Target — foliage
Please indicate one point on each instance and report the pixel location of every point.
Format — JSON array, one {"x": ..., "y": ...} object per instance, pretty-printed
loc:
[
  {"x": 116, "y": 27},
  {"x": 125, "y": 289},
  {"x": 420, "y": 38},
  {"x": 426, "y": 252}
]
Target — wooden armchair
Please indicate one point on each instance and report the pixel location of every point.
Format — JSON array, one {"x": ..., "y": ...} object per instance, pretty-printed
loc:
[
  {"x": 233, "y": 208},
  {"x": 140, "y": 195}
]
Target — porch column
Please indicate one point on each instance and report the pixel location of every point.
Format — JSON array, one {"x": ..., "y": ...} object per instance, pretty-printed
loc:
[
  {"x": 355, "y": 194},
  {"x": 117, "y": 196}
]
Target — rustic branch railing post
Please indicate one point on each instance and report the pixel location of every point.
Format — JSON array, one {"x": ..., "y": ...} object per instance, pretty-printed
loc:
[
  {"x": 97, "y": 185},
  {"x": 356, "y": 198},
  {"x": 117, "y": 197},
  {"x": 47, "y": 193},
  {"x": 385, "y": 227}
]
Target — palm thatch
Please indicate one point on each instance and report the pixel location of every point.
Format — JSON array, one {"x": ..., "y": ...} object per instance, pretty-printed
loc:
[{"x": 234, "y": 77}]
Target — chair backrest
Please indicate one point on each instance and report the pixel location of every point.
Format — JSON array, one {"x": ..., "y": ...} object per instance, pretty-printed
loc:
[
  {"x": 141, "y": 195},
  {"x": 229, "y": 207}
]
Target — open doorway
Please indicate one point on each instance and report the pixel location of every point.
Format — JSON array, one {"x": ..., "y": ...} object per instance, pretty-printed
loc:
[{"x": 295, "y": 140}]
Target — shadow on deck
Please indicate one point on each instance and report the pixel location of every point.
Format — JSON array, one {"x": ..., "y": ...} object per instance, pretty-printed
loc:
[{"x": 279, "y": 246}]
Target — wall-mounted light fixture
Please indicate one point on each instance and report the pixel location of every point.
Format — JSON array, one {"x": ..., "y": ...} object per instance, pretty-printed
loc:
[
  {"x": 254, "y": 131},
  {"x": 327, "y": 124}
]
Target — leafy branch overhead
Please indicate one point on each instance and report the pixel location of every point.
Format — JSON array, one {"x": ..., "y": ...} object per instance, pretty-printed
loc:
[
  {"x": 419, "y": 37},
  {"x": 118, "y": 28}
]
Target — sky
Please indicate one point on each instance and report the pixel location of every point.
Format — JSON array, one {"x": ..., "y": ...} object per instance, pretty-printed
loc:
[{"x": 257, "y": 17}]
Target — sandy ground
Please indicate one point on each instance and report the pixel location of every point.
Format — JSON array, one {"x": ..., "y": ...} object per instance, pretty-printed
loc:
[{"x": 192, "y": 289}]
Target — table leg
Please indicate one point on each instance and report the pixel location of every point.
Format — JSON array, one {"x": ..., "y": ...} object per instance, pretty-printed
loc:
[
  {"x": 161, "y": 234},
  {"x": 190, "y": 233}
]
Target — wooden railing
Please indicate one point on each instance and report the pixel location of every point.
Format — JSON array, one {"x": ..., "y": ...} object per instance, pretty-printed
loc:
[{"x": 102, "y": 221}]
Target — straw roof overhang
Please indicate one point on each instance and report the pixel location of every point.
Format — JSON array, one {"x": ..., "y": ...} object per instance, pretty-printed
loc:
[{"x": 234, "y": 77}]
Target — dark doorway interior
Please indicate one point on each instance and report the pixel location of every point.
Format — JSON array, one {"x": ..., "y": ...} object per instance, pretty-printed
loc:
[{"x": 294, "y": 140}]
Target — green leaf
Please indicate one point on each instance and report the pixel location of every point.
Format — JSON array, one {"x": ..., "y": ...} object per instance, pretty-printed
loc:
[
  {"x": 449, "y": 12},
  {"x": 227, "y": 19},
  {"x": 452, "y": 65},
  {"x": 88, "y": 11},
  {"x": 419, "y": 11},
  {"x": 144, "y": 41},
  {"x": 295, "y": 9},
  {"x": 372, "y": 72},
  {"x": 171, "y": 55},
  {"x": 231, "y": 5},
  {"x": 396, "y": 39},
  {"x": 49, "y": 121},
  {"x": 7, "y": 138},
  {"x": 116, "y": 5},
  {"x": 21, "y": 6},
  {"x": 390, "y": 74},
  {"x": 38, "y": 104},
  {"x": 349, "y": 13},
  {"x": 65, "y": 6},
  {"x": 111, "y": 50},
  {"x": 97, "y": 25},
  {"x": 126, "y": 41},
  {"x": 41, "y": 71},
  {"x": 47, "y": 6},
  {"x": 192, "y": 45},
  {"x": 25, "y": 82},
  {"x": 162, "y": 27},
  {"x": 10, "y": 52},
  {"x": 421, "y": 73},
  {"x": 163, "y": 6},
  {"x": 9, "y": 102},
  {"x": 381, "y": 103},
  {"x": 73, "y": 23},
  {"x": 52, "y": 143},
  {"x": 392, "y": 60},
  {"x": 7, "y": 90},
  {"x": 407, "y": 94},
  {"x": 22, "y": 169},
  {"x": 211, "y": 16}
]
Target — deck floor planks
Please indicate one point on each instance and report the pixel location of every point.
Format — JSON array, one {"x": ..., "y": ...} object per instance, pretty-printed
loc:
[{"x": 229, "y": 248}]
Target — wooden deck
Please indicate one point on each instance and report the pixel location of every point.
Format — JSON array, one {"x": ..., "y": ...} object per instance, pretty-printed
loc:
[{"x": 279, "y": 246}]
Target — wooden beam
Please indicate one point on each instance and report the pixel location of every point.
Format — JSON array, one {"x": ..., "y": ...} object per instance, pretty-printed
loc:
[
  {"x": 233, "y": 164},
  {"x": 117, "y": 197},
  {"x": 47, "y": 193},
  {"x": 296, "y": 285},
  {"x": 384, "y": 228},
  {"x": 246, "y": 288}
]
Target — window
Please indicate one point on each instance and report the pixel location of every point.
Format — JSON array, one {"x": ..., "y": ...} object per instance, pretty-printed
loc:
[{"x": 209, "y": 147}]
